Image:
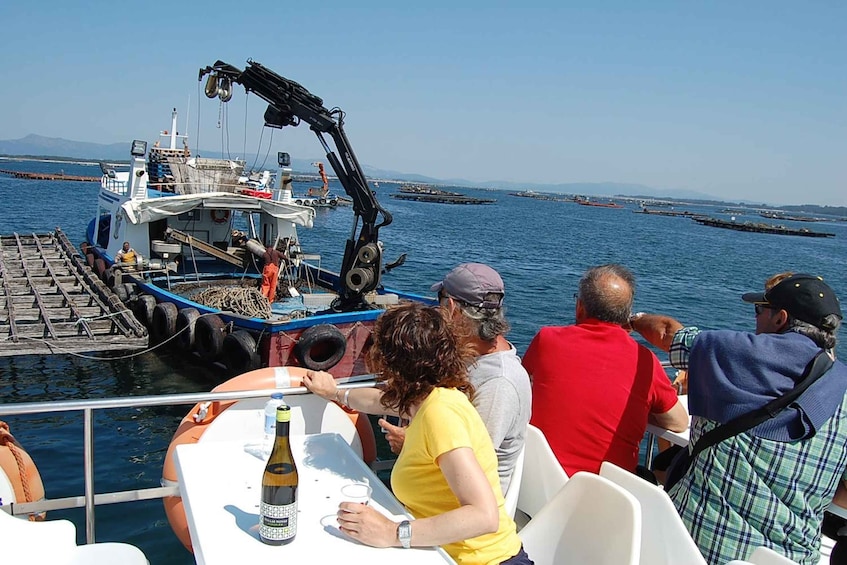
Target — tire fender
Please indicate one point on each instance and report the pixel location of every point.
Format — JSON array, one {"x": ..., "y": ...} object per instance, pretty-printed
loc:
[
  {"x": 185, "y": 323},
  {"x": 163, "y": 324},
  {"x": 209, "y": 336},
  {"x": 239, "y": 352},
  {"x": 320, "y": 347}
]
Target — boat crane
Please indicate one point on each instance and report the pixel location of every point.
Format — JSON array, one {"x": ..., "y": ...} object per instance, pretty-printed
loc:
[{"x": 289, "y": 103}]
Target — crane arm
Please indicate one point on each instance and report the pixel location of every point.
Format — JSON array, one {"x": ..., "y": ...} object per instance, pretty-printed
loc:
[{"x": 289, "y": 103}]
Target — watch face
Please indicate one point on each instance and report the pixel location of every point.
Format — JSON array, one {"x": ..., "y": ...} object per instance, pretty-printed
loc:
[{"x": 404, "y": 533}]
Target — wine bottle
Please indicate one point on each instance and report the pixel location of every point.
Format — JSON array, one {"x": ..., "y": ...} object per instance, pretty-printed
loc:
[{"x": 278, "y": 508}]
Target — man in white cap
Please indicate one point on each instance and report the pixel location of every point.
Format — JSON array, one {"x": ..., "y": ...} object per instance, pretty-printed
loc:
[{"x": 473, "y": 294}]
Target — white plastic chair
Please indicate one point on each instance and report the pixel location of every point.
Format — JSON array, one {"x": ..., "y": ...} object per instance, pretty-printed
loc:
[
  {"x": 542, "y": 476},
  {"x": 54, "y": 542},
  {"x": 511, "y": 494},
  {"x": 664, "y": 538},
  {"x": 590, "y": 520}
]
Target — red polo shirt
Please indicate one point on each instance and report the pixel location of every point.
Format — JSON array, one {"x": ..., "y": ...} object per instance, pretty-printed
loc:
[{"x": 592, "y": 388}]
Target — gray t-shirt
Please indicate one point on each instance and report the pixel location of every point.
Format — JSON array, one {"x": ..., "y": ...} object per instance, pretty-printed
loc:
[{"x": 504, "y": 399}]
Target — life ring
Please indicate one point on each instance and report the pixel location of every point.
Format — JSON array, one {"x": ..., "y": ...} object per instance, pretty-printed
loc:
[
  {"x": 185, "y": 321},
  {"x": 320, "y": 347},
  {"x": 220, "y": 216},
  {"x": 202, "y": 415},
  {"x": 19, "y": 477},
  {"x": 239, "y": 352},
  {"x": 163, "y": 324},
  {"x": 209, "y": 336}
]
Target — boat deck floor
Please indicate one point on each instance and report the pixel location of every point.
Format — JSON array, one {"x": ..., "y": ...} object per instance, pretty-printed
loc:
[{"x": 52, "y": 302}]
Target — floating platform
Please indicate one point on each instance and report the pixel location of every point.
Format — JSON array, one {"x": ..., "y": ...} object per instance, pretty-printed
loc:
[
  {"x": 443, "y": 198},
  {"x": 49, "y": 176},
  {"x": 52, "y": 302},
  {"x": 685, "y": 213},
  {"x": 758, "y": 227},
  {"x": 428, "y": 194}
]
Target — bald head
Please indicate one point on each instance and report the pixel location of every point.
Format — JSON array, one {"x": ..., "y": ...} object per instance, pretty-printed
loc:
[{"x": 606, "y": 293}]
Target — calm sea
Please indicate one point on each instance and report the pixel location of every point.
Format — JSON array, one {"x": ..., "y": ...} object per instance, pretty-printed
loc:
[{"x": 691, "y": 272}]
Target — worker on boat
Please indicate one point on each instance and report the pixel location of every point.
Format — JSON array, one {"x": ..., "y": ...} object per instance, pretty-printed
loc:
[
  {"x": 270, "y": 273},
  {"x": 769, "y": 484},
  {"x": 594, "y": 388},
  {"x": 472, "y": 296},
  {"x": 127, "y": 257},
  {"x": 446, "y": 474}
]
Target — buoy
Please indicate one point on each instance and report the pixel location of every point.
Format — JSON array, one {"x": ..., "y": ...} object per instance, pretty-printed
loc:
[{"x": 20, "y": 480}]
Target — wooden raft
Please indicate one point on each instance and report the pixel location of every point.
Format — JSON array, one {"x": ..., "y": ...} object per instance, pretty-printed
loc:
[{"x": 52, "y": 302}]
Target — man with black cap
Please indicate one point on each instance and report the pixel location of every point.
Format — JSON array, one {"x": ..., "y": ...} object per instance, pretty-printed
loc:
[
  {"x": 767, "y": 486},
  {"x": 473, "y": 293}
]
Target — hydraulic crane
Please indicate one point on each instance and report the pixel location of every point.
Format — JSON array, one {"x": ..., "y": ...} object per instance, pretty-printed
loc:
[{"x": 289, "y": 103}]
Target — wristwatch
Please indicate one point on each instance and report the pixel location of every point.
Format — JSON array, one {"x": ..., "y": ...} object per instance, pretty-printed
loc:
[{"x": 404, "y": 534}]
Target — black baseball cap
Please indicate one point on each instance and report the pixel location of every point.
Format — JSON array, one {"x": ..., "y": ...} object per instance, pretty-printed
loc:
[{"x": 804, "y": 297}]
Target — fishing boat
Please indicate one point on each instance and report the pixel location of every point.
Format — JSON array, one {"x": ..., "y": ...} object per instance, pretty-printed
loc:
[
  {"x": 195, "y": 282},
  {"x": 319, "y": 197}
]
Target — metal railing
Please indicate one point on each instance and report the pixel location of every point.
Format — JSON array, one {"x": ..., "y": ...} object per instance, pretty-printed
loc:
[{"x": 89, "y": 499}]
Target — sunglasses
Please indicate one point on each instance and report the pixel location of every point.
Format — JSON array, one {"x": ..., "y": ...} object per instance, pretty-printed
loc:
[{"x": 762, "y": 307}]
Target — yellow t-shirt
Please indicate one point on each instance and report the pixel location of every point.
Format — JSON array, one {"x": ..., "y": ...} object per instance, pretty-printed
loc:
[{"x": 447, "y": 420}]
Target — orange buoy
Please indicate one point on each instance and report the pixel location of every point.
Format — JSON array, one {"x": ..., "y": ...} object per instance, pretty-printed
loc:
[
  {"x": 198, "y": 419},
  {"x": 19, "y": 477}
]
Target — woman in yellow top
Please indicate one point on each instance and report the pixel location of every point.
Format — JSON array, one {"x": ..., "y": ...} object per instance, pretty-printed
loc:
[{"x": 446, "y": 474}]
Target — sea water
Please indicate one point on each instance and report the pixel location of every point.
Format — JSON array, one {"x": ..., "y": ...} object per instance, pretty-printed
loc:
[{"x": 692, "y": 272}]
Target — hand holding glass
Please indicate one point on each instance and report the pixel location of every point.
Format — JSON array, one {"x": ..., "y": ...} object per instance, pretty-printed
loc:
[{"x": 356, "y": 492}]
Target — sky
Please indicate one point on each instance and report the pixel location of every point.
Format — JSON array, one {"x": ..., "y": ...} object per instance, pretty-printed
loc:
[{"x": 738, "y": 100}]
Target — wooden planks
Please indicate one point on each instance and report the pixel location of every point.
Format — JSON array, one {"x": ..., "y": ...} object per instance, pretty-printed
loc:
[{"x": 51, "y": 301}]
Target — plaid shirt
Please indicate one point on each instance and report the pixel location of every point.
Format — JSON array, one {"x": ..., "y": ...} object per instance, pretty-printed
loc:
[{"x": 745, "y": 492}]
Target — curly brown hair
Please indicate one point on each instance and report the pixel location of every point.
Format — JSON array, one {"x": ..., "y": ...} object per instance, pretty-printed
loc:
[{"x": 415, "y": 349}]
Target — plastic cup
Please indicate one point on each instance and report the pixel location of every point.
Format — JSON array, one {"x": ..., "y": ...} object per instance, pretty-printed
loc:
[{"x": 356, "y": 492}]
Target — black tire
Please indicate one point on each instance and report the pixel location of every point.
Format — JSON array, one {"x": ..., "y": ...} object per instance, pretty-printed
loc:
[
  {"x": 164, "y": 322},
  {"x": 121, "y": 293},
  {"x": 209, "y": 336},
  {"x": 239, "y": 352},
  {"x": 143, "y": 310},
  {"x": 130, "y": 289},
  {"x": 320, "y": 347},
  {"x": 100, "y": 268},
  {"x": 185, "y": 322}
]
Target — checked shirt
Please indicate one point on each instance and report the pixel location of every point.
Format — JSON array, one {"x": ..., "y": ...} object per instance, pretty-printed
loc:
[{"x": 746, "y": 491}]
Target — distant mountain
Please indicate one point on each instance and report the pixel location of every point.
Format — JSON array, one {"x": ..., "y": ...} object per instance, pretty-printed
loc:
[
  {"x": 36, "y": 145},
  {"x": 58, "y": 147}
]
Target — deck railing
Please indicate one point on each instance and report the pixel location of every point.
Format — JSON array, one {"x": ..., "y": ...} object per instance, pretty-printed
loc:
[{"x": 89, "y": 500}]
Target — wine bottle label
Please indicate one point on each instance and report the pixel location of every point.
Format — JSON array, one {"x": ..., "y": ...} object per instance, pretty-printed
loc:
[{"x": 277, "y": 522}]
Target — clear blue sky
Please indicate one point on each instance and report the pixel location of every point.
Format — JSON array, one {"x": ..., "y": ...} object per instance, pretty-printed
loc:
[{"x": 740, "y": 100}]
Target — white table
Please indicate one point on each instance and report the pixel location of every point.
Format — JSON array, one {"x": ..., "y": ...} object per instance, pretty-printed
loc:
[
  {"x": 676, "y": 438},
  {"x": 221, "y": 485}
]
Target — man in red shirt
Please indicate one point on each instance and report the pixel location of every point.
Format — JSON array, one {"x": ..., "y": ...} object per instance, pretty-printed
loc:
[{"x": 594, "y": 388}]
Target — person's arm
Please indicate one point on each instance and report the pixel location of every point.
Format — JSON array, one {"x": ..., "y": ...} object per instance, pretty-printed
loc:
[
  {"x": 675, "y": 419},
  {"x": 365, "y": 400},
  {"x": 477, "y": 514},
  {"x": 655, "y": 328},
  {"x": 840, "y": 498}
]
